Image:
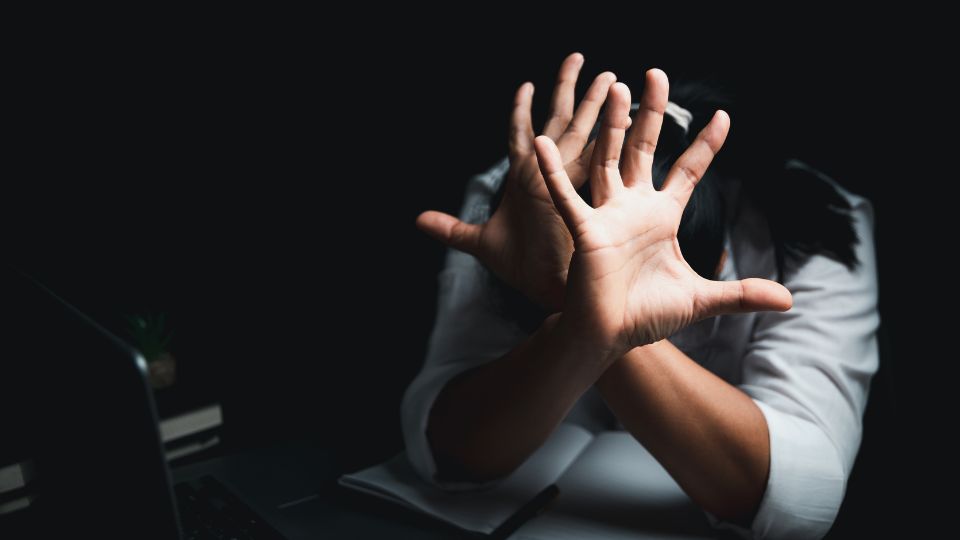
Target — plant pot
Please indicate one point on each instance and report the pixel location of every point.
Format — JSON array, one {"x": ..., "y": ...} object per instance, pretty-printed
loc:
[{"x": 162, "y": 371}]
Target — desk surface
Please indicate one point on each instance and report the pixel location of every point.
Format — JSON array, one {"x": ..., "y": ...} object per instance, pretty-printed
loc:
[{"x": 295, "y": 486}]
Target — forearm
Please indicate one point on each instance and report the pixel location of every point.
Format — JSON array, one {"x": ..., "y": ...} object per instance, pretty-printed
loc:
[
  {"x": 709, "y": 435},
  {"x": 488, "y": 420}
]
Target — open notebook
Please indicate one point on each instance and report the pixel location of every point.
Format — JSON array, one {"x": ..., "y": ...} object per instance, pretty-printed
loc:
[{"x": 609, "y": 487}]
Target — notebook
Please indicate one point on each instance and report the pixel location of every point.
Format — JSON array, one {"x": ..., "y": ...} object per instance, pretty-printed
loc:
[{"x": 610, "y": 487}]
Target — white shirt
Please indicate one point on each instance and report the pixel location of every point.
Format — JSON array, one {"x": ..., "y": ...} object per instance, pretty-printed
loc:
[{"x": 808, "y": 369}]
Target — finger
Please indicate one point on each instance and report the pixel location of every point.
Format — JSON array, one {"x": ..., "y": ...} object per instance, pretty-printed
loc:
[
  {"x": 605, "y": 162},
  {"x": 450, "y": 230},
  {"x": 561, "y": 106},
  {"x": 571, "y": 206},
  {"x": 744, "y": 296},
  {"x": 642, "y": 141},
  {"x": 572, "y": 141},
  {"x": 693, "y": 163},
  {"x": 521, "y": 123},
  {"x": 579, "y": 169}
]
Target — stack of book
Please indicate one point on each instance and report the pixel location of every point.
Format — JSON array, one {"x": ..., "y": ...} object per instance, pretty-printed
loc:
[
  {"x": 191, "y": 431},
  {"x": 15, "y": 486},
  {"x": 190, "y": 422}
]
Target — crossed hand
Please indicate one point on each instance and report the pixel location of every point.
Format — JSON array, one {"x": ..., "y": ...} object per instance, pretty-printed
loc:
[{"x": 615, "y": 268}]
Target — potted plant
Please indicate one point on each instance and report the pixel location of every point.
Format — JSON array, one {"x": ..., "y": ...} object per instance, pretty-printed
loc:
[{"x": 151, "y": 338}]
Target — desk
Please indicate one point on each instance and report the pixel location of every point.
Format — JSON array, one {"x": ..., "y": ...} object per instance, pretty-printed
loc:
[
  {"x": 295, "y": 486},
  {"x": 615, "y": 490}
]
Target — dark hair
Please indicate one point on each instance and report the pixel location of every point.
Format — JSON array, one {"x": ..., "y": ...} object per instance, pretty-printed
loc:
[{"x": 806, "y": 214}]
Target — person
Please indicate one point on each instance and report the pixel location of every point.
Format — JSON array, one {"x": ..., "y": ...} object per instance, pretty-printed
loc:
[{"x": 748, "y": 389}]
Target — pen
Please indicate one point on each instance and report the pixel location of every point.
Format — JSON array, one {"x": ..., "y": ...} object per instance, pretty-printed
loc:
[{"x": 528, "y": 511}]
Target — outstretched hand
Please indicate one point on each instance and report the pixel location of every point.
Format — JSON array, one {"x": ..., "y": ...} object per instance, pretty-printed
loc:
[
  {"x": 524, "y": 242},
  {"x": 628, "y": 283}
]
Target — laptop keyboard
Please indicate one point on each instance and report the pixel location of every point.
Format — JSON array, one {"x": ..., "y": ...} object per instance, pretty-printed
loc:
[{"x": 209, "y": 510}]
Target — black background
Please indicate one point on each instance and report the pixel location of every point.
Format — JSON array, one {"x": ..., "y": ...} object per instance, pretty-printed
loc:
[{"x": 259, "y": 183}]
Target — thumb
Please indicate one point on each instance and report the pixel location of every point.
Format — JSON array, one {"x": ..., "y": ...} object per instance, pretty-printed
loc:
[
  {"x": 744, "y": 296},
  {"x": 450, "y": 230}
]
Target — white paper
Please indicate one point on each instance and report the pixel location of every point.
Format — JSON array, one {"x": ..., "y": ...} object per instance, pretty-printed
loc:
[{"x": 479, "y": 511}]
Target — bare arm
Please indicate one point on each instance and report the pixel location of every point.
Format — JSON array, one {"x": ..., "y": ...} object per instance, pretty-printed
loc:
[
  {"x": 709, "y": 435},
  {"x": 630, "y": 286},
  {"x": 487, "y": 421}
]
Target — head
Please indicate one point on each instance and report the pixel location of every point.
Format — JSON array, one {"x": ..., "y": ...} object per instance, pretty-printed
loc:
[{"x": 782, "y": 195}]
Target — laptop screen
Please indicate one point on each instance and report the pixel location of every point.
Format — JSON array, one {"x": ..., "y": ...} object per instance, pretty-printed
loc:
[{"x": 76, "y": 402}]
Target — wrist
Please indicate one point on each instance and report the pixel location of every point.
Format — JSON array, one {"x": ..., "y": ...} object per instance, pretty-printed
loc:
[
  {"x": 571, "y": 333},
  {"x": 621, "y": 367}
]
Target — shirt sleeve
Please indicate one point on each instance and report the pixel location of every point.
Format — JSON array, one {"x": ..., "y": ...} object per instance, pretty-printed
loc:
[
  {"x": 809, "y": 371},
  {"x": 468, "y": 331}
]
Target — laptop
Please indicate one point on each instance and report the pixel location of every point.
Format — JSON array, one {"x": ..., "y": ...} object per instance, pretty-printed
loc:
[{"x": 82, "y": 409}]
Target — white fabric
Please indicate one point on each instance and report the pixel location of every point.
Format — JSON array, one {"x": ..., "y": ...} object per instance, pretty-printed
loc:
[
  {"x": 682, "y": 116},
  {"x": 808, "y": 369}
]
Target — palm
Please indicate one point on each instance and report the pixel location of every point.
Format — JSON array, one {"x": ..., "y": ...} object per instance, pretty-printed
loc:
[
  {"x": 629, "y": 284},
  {"x": 525, "y": 242},
  {"x": 632, "y": 270}
]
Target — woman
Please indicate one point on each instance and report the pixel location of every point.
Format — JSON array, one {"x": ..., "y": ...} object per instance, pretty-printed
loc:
[{"x": 757, "y": 416}]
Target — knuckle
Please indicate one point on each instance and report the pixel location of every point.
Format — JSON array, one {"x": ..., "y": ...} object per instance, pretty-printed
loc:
[
  {"x": 644, "y": 146},
  {"x": 689, "y": 174}
]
